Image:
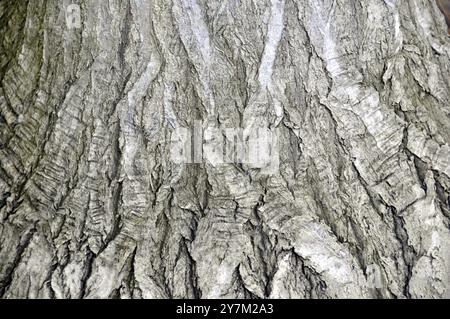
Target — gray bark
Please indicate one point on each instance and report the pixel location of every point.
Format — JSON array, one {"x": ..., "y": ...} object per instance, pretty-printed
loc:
[{"x": 93, "y": 206}]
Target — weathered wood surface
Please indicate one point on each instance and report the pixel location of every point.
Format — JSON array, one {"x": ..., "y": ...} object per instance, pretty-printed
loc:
[{"x": 92, "y": 205}]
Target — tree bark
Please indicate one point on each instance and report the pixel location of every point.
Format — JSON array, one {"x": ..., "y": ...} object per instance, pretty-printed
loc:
[{"x": 92, "y": 205}]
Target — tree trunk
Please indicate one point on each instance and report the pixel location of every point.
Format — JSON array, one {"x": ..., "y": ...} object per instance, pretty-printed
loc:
[{"x": 354, "y": 202}]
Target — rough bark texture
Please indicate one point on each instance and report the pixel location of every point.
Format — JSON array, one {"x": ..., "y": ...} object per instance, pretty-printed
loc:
[{"x": 91, "y": 204}]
